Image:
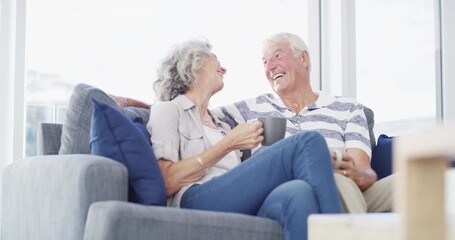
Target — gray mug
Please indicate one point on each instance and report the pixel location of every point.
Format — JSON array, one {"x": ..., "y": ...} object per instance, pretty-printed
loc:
[{"x": 274, "y": 129}]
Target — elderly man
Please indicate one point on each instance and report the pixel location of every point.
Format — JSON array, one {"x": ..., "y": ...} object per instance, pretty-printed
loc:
[{"x": 341, "y": 120}]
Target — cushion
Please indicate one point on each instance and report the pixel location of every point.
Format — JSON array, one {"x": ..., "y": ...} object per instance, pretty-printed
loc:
[
  {"x": 76, "y": 127},
  {"x": 139, "y": 123},
  {"x": 369, "y": 114},
  {"x": 114, "y": 135},
  {"x": 381, "y": 160}
]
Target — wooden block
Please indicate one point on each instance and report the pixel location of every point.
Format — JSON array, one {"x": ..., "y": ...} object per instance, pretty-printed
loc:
[{"x": 420, "y": 161}]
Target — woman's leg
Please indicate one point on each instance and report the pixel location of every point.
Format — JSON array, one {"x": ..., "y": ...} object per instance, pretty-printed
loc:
[
  {"x": 303, "y": 156},
  {"x": 290, "y": 204}
]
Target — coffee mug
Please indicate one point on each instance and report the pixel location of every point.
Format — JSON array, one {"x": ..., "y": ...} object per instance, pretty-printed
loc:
[
  {"x": 339, "y": 155},
  {"x": 274, "y": 129}
]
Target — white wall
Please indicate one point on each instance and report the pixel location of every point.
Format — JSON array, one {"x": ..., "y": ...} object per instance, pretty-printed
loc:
[
  {"x": 6, "y": 79},
  {"x": 448, "y": 81},
  {"x": 7, "y": 42},
  {"x": 12, "y": 55},
  {"x": 448, "y": 58}
]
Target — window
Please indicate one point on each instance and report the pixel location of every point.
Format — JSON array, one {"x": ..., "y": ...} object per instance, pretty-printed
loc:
[
  {"x": 383, "y": 52},
  {"x": 116, "y": 45},
  {"x": 396, "y": 69}
]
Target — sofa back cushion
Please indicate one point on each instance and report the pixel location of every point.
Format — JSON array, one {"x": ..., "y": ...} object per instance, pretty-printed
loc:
[
  {"x": 76, "y": 127},
  {"x": 114, "y": 136}
]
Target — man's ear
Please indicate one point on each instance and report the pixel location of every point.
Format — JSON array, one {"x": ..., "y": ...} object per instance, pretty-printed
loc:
[{"x": 305, "y": 59}]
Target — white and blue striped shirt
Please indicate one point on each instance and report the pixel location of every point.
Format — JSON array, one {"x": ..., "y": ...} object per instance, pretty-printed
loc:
[{"x": 341, "y": 120}]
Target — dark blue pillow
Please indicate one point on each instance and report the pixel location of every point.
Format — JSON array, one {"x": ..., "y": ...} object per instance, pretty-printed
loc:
[
  {"x": 115, "y": 136},
  {"x": 139, "y": 123},
  {"x": 382, "y": 158}
]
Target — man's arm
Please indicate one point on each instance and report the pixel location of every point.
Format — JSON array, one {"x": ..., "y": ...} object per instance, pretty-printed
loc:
[
  {"x": 356, "y": 166},
  {"x": 130, "y": 102}
]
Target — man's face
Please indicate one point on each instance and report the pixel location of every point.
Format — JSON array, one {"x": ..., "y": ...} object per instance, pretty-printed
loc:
[{"x": 284, "y": 71}]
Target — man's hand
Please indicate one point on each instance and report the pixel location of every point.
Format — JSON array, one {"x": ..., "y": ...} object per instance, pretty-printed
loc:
[
  {"x": 356, "y": 166},
  {"x": 129, "y": 102}
]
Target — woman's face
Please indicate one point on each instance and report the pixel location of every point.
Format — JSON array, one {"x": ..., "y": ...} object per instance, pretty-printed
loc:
[{"x": 210, "y": 76}]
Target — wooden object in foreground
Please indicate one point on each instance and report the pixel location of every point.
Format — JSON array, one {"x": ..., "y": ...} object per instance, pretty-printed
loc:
[{"x": 420, "y": 162}]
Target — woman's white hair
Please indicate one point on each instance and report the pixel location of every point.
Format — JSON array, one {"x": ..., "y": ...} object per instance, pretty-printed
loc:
[
  {"x": 177, "y": 71},
  {"x": 296, "y": 44}
]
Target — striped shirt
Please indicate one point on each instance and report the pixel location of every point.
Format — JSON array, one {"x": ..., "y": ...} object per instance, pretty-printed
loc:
[{"x": 341, "y": 120}]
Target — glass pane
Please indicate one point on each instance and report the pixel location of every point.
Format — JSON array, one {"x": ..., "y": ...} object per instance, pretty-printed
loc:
[
  {"x": 396, "y": 63},
  {"x": 116, "y": 45}
]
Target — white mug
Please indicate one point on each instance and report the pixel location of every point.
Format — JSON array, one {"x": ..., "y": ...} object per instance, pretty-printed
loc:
[{"x": 339, "y": 155}]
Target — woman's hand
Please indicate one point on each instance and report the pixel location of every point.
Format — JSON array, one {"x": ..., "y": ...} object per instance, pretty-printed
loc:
[{"x": 245, "y": 136}]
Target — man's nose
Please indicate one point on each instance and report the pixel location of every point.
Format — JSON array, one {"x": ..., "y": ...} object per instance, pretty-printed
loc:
[
  {"x": 270, "y": 65},
  {"x": 223, "y": 70}
]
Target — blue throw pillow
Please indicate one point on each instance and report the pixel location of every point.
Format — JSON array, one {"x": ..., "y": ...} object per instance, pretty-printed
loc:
[
  {"x": 115, "y": 136},
  {"x": 139, "y": 123},
  {"x": 382, "y": 158}
]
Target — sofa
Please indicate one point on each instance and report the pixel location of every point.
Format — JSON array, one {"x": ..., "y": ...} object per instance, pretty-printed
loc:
[{"x": 67, "y": 193}]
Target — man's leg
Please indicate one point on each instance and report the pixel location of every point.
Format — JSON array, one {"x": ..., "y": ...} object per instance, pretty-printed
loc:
[
  {"x": 378, "y": 197},
  {"x": 352, "y": 200}
]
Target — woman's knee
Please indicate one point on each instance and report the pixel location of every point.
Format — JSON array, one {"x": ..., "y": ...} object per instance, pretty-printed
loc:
[
  {"x": 294, "y": 188},
  {"x": 313, "y": 137},
  {"x": 298, "y": 192},
  {"x": 292, "y": 196}
]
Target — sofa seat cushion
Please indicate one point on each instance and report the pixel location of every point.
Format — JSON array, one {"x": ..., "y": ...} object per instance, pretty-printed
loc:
[
  {"x": 114, "y": 220},
  {"x": 115, "y": 136}
]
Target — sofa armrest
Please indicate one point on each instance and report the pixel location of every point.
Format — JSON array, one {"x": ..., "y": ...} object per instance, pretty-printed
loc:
[
  {"x": 48, "y": 197},
  {"x": 114, "y": 220},
  {"x": 48, "y": 138}
]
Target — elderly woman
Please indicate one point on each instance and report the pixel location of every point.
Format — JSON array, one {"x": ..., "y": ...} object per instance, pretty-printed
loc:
[{"x": 200, "y": 159}]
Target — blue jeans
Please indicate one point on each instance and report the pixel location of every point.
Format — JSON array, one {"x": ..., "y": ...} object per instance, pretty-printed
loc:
[{"x": 286, "y": 182}]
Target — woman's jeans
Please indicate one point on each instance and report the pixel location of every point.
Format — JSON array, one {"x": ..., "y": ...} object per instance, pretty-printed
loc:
[{"x": 286, "y": 182}]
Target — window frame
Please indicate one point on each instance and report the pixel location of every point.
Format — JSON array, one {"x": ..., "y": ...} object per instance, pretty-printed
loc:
[{"x": 13, "y": 64}]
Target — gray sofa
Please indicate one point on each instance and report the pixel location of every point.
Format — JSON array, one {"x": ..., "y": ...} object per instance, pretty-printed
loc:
[
  {"x": 63, "y": 194},
  {"x": 67, "y": 193},
  {"x": 82, "y": 196}
]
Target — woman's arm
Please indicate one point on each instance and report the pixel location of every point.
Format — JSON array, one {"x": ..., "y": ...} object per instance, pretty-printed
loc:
[{"x": 179, "y": 174}]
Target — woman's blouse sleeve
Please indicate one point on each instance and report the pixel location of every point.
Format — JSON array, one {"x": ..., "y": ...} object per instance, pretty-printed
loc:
[{"x": 163, "y": 127}]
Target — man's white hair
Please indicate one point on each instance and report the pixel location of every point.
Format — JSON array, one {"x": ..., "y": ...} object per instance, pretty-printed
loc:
[{"x": 296, "y": 44}]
